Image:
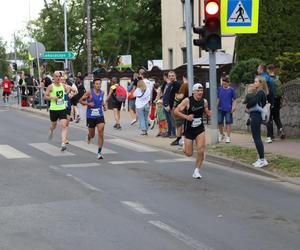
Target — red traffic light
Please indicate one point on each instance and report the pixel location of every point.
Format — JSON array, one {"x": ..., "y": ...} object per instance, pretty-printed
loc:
[{"x": 212, "y": 8}]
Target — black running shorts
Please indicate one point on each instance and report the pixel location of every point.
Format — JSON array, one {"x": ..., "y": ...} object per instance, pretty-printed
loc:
[
  {"x": 58, "y": 114},
  {"x": 92, "y": 122}
]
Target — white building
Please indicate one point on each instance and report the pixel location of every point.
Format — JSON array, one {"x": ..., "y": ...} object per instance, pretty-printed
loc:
[{"x": 174, "y": 33}]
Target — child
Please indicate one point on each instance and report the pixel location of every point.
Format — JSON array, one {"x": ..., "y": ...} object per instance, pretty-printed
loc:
[
  {"x": 161, "y": 119},
  {"x": 251, "y": 93}
]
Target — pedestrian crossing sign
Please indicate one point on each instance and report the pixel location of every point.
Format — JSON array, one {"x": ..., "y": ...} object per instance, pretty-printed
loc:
[{"x": 239, "y": 16}]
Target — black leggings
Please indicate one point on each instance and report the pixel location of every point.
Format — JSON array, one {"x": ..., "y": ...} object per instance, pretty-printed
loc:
[{"x": 256, "y": 133}]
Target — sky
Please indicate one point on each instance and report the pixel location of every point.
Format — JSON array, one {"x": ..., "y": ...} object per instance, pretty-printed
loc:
[{"x": 15, "y": 15}]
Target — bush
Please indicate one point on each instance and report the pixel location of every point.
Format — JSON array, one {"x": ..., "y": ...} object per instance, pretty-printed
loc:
[
  {"x": 289, "y": 66},
  {"x": 245, "y": 71}
]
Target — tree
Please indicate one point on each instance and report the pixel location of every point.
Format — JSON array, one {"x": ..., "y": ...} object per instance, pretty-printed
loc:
[
  {"x": 277, "y": 32},
  {"x": 4, "y": 64}
]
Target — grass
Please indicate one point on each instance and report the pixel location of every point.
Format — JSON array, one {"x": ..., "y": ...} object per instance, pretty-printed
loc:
[{"x": 282, "y": 165}]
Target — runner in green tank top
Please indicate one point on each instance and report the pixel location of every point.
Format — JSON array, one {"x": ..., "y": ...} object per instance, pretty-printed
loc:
[{"x": 55, "y": 93}]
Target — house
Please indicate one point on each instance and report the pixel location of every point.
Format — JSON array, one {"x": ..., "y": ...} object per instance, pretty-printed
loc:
[{"x": 174, "y": 33}]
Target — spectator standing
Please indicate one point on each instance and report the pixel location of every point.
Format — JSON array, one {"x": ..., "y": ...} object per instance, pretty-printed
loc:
[
  {"x": 261, "y": 70},
  {"x": 142, "y": 94},
  {"x": 115, "y": 103},
  {"x": 256, "y": 119},
  {"x": 278, "y": 99},
  {"x": 161, "y": 119},
  {"x": 171, "y": 89},
  {"x": 226, "y": 106},
  {"x": 178, "y": 121}
]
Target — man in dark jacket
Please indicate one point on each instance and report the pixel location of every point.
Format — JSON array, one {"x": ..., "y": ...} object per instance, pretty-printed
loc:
[{"x": 171, "y": 89}]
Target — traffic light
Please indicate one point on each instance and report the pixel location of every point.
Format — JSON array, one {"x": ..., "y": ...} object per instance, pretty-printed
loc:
[
  {"x": 201, "y": 42},
  {"x": 15, "y": 67},
  {"x": 212, "y": 24}
]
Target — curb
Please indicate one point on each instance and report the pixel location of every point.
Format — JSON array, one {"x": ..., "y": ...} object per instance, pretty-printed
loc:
[{"x": 228, "y": 162}]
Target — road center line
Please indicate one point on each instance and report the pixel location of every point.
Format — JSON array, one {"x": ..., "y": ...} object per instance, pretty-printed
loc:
[
  {"x": 137, "y": 207},
  {"x": 180, "y": 236},
  {"x": 85, "y": 184}
]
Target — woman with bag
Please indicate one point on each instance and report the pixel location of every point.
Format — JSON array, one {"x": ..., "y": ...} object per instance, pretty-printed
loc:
[
  {"x": 256, "y": 119},
  {"x": 142, "y": 94}
]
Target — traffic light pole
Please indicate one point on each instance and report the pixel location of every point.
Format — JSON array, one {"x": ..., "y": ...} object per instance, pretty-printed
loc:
[
  {"x": 188, "y": 26},
  {"x": 213, "y": 97}
]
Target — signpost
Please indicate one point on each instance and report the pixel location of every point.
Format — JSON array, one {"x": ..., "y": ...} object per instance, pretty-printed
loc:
[
  {"x": 58, "y": 55},
  {"x": 239, "y": 16}
]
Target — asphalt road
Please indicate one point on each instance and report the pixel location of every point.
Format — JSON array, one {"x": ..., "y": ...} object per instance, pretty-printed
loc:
[{"x": 138, "y": 197}]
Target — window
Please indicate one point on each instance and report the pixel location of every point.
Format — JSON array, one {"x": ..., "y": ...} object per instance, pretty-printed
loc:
[
  {"x": 170, "y": 58},
  {"x": 184, "y": 55}
]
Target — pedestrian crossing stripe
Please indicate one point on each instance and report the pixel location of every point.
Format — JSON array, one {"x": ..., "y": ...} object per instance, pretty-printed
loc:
[
  {"x": 91, "y": 147},
  {"x": 132, "y": 146},
  {"x": 50, "y": 149},
  {"x": 11, "y": 153},
  {"x": 239, "y": 16}
]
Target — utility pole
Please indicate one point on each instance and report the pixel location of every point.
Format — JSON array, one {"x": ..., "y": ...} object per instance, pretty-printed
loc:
[
  {"x": 89, "y": 37},
  {"x": 188, "y": 28},
  {"x": 66, "y": 33},
  {"x": 213, "y": 96}
]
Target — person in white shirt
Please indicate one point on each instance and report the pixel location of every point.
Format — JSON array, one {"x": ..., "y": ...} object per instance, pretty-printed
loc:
[{"x": 143, "y": 95}]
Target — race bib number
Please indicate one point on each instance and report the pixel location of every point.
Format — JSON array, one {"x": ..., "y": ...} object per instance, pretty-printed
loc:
[
  {"x": 60, "y": 102},
  {"x": 5, "y": 85},
  {"x": 95, "y": 112},
  {"x": 197, "y": 122}
]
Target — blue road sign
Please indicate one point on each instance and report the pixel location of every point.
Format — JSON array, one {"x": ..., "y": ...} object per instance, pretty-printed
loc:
[{"x": 239, "y": 13}]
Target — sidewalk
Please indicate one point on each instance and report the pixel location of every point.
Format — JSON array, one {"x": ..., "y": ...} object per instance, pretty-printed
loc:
[{"x": 288, "y": 148}]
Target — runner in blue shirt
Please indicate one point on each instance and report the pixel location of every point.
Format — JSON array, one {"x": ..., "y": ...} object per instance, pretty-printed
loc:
[{"x": 94, "y": 100}]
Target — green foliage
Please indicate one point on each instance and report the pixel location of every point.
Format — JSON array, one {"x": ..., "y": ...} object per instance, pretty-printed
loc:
[
  {"x": 289, "y": 66},
  {"x": 277, "y": 32},
  {"x": 245, "y": 71},
  {"x": 119, "y": 27},
  {"x": 3, "y": 57}
]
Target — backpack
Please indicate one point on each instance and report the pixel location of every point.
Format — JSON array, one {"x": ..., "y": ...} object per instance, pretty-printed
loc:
[
  {"x": 278, "y": 87},
  {"x": 121, "y": 94}
]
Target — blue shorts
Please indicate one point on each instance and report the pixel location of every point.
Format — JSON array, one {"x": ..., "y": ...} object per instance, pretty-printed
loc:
[{"x": 224, "y": 115}]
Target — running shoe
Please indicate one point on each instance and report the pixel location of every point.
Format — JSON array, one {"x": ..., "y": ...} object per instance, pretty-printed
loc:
[
  {"x": 99, "y": 156},
  {"x": 227, "y": 139},
  {"x": 63, "y": 147},
  {"x": 261, "y": 163},
  {"x": 221, "y": 137},
  {"x": 133, "y": 122},
  {"x": 268, "y": 140},
  {"x": 77, "y": 119},
  {"x": 197, "y": 174}
]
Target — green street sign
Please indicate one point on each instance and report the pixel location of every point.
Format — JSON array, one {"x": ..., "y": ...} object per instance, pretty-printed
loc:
[{"x": 58, "y": 55}]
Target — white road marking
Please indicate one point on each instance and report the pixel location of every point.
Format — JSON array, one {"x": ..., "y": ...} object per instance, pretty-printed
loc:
[
  {"x": 91, "y": 147},
  {"x": 180, "y": 236},
  {"x": 50, "y": 149},
  {"x": 137, "y": 207},
  {"x": 11, "y": 153},
  {"x": 175, "y": 160},
  {"x": 80, "y": 165},
  {"x": 132, "y": 145},
  {"x": 126, "y": 162},
  {"x": 85, "y": 184}
]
